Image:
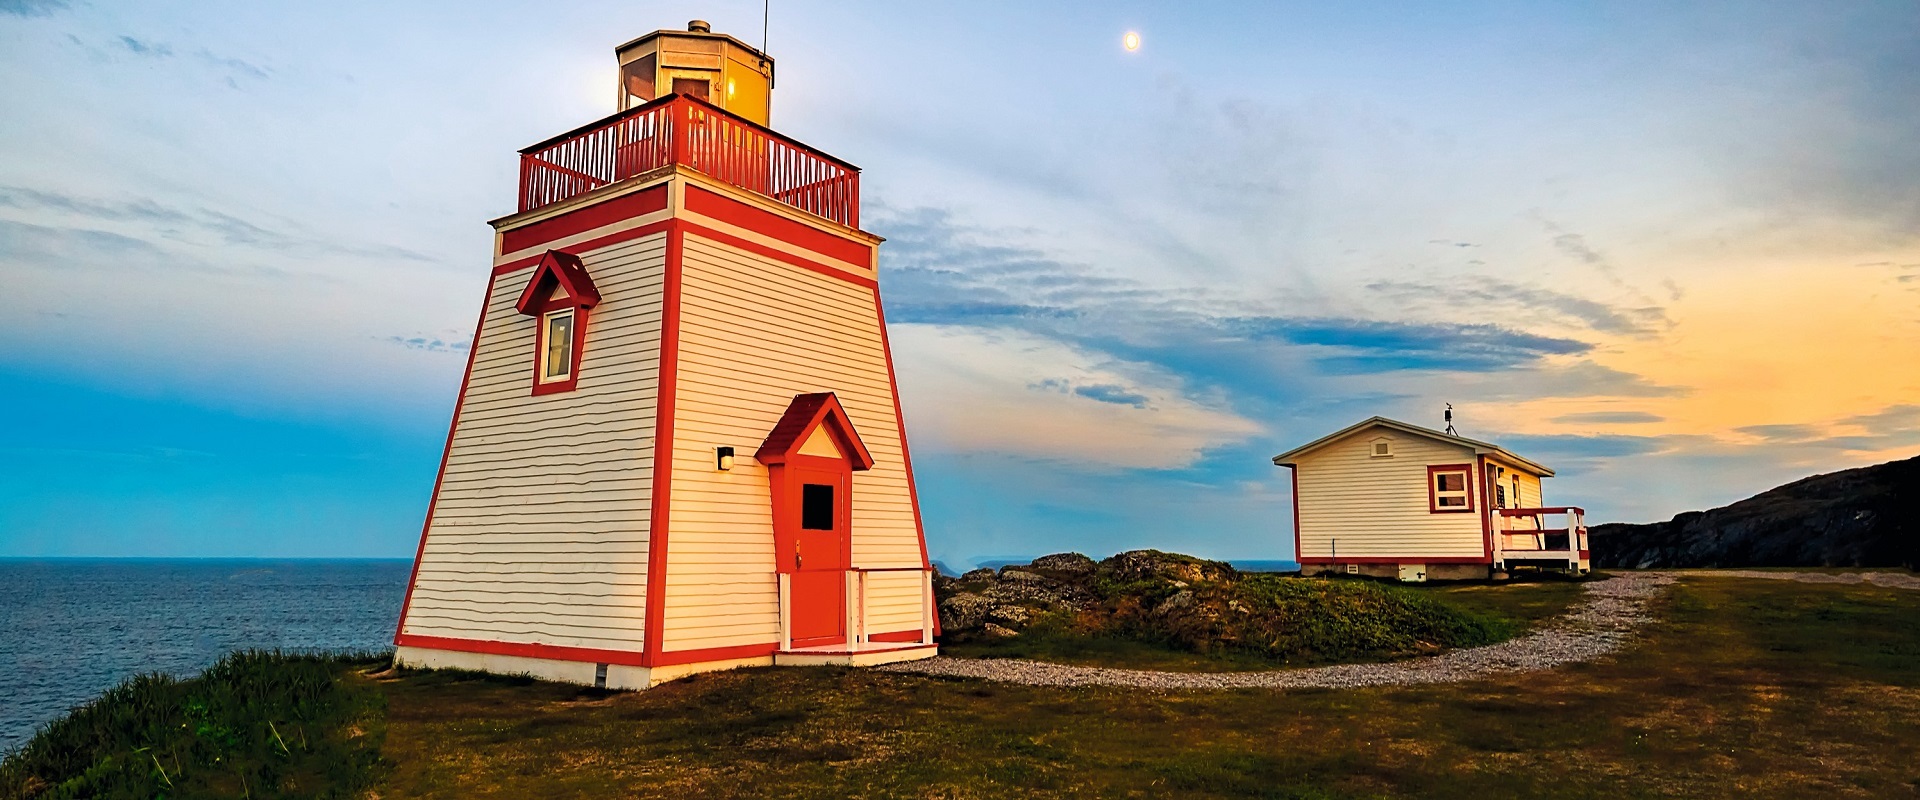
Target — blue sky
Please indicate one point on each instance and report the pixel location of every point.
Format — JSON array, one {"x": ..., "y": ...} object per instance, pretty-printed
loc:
[{"x": 1672, "y": 251}]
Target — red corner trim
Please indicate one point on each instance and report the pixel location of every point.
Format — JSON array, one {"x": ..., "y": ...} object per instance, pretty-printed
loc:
[
  {"x": 459, "y": 400},
  {"x": 898, "y": 636},
  {"x": 781, "y": 255},
  {"x": 643, "y": 202},
  {"x": 587, "y": 246},
  {"x": 1486, "y": 504},
  {"x": 900, "y": 425},
  {"x": 733, "y": 212},
  {"x": 805, "y": 413},
  {"x": 1433, "y": 495},
  {"x": 1293, "y": 475},
  {"x": 557, "y": 268},
  {"x": 661, "y": 499}
]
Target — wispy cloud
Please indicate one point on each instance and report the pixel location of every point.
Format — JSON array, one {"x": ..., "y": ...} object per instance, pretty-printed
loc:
[
  {"x": 32, "y": 8},
  {"x": 430, "y": 344},
  {"x": 1608, "y": 418},
  {"x": 1480, "y": 292},
  {"x": 177, "y": 222},
  {"x": 145, "y": 48}
]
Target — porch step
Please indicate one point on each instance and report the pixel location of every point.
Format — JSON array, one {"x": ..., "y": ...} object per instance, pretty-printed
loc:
[{"x": 857, "y": 655}]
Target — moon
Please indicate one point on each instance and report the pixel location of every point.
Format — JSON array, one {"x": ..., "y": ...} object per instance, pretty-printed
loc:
[{"x": 1131, "y": 41}]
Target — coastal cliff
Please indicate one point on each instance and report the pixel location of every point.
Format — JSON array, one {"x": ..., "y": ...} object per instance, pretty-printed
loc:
[{"x": 1865, "y": 517}]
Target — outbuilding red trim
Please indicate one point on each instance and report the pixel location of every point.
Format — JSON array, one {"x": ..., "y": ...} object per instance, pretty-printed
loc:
[
  {"x": 1466, "y": 488},
  {"x": 1398, "y": 560},
  {"x": 806, "y": 412}
]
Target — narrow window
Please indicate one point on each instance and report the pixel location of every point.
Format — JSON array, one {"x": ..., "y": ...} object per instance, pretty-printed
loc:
[
  {"x": 1447, "y": 489},
  {"x": 556, "y": 358},
  {"x": 816, "y": 506}
]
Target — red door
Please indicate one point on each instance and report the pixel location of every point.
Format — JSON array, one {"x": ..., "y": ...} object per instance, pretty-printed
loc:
[{"x": 819, "y": 557}]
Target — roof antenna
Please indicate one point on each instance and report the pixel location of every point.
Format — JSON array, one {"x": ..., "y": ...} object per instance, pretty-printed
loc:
[{"x": 1450, "y": 430}]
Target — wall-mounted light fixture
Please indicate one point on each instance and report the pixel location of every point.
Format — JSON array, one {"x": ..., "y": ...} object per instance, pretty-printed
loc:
[{"x": 723, "y": 458}]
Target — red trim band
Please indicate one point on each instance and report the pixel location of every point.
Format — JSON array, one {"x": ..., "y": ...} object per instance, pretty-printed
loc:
[
  {"x": 709, "y": 203},
  {"x": 760, "y": 249},
  {"x": 581, "y": 220},
  {"x": 588, "y": 245},
  {"x": 588, "y": 655}
]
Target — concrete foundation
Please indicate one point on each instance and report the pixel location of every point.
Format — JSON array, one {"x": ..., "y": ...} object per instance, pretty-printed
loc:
[{"x": 583, "y": 673}]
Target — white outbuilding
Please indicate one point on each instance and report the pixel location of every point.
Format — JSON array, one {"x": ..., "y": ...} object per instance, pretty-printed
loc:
[{"x": 1388, "y": 499}]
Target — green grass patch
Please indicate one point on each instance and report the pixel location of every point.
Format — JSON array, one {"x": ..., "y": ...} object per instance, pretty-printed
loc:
[
  {"x": 1744, "y": 688},
  {"x": 256, "y": 724},
  {"x": 1266, "y": 621}
]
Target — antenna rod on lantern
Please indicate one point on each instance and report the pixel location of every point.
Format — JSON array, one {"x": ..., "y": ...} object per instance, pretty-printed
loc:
[{"x": 766, "y": 8}]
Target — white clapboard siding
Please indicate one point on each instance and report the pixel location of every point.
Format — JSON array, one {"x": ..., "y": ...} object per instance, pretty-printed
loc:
[
  {"x": 1378, "y": 507},
  {"x": 540, "y": 529},
  {"x": 894, "y": 600},
  {"x": 754, "y": 332}
]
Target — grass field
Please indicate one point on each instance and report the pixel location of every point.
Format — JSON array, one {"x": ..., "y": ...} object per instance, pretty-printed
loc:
[{"x": 1746, "y": 688}]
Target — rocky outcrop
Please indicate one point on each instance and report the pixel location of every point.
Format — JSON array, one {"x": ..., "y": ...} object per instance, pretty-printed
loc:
[
  {"x": 1198, "y": 605},
  {"x": 1867, "y": 517},
  {"x": 1062, "y": 586}
]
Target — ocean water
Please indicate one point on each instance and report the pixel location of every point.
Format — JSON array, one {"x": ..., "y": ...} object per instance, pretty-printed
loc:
[{"x": 70, "y": 628}]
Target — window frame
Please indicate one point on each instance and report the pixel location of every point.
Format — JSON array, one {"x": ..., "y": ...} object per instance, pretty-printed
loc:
[
  {"x": 543, "y": 385},
  {"x": 1434, "y": 471}
]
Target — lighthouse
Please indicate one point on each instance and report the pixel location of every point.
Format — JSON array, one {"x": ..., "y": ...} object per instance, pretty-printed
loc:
[{"x": 678, "y": 443}]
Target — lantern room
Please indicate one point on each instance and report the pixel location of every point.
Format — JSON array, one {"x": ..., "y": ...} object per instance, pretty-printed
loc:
[{"x": 712, "y": 66}]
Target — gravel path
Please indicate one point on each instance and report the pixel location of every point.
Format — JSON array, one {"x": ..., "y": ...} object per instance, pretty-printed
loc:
[
  {"x": 1608, "y": 617},
  {"x": 1885, "y": 580},
  {"x": 1601, "y": 624}
]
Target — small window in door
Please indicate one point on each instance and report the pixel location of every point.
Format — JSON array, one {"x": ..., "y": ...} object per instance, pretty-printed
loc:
[{"x": 816, "y": 506}]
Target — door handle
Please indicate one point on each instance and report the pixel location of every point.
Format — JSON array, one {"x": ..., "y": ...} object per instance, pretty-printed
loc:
[{"x": 798, "y": 560}]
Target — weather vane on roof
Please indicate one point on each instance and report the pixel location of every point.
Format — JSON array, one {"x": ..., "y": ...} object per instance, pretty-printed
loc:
[{"x": 1450, "y": 430}]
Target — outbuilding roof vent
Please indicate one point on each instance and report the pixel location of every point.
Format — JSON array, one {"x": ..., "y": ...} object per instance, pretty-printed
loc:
[{"x": 699, "y": 26}]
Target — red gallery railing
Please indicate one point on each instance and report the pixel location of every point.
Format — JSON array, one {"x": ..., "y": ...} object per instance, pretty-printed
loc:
[{"x": 691, "y": 132}]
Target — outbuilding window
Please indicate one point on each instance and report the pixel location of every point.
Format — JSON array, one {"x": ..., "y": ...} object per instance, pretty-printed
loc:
[{"x": 1449, "y": 488}]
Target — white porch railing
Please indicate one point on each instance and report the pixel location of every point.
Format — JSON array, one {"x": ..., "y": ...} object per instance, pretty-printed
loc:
[
  {"x": 859, "y": 597},
  {"x": 1525, "y": 534}
]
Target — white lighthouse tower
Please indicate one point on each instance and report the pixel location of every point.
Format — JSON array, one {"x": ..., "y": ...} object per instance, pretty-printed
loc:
[{"x": 678, "y": 445}]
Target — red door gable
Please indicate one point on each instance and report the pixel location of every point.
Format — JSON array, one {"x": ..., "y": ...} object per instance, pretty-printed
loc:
[{"x": 803, "y": 415}]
